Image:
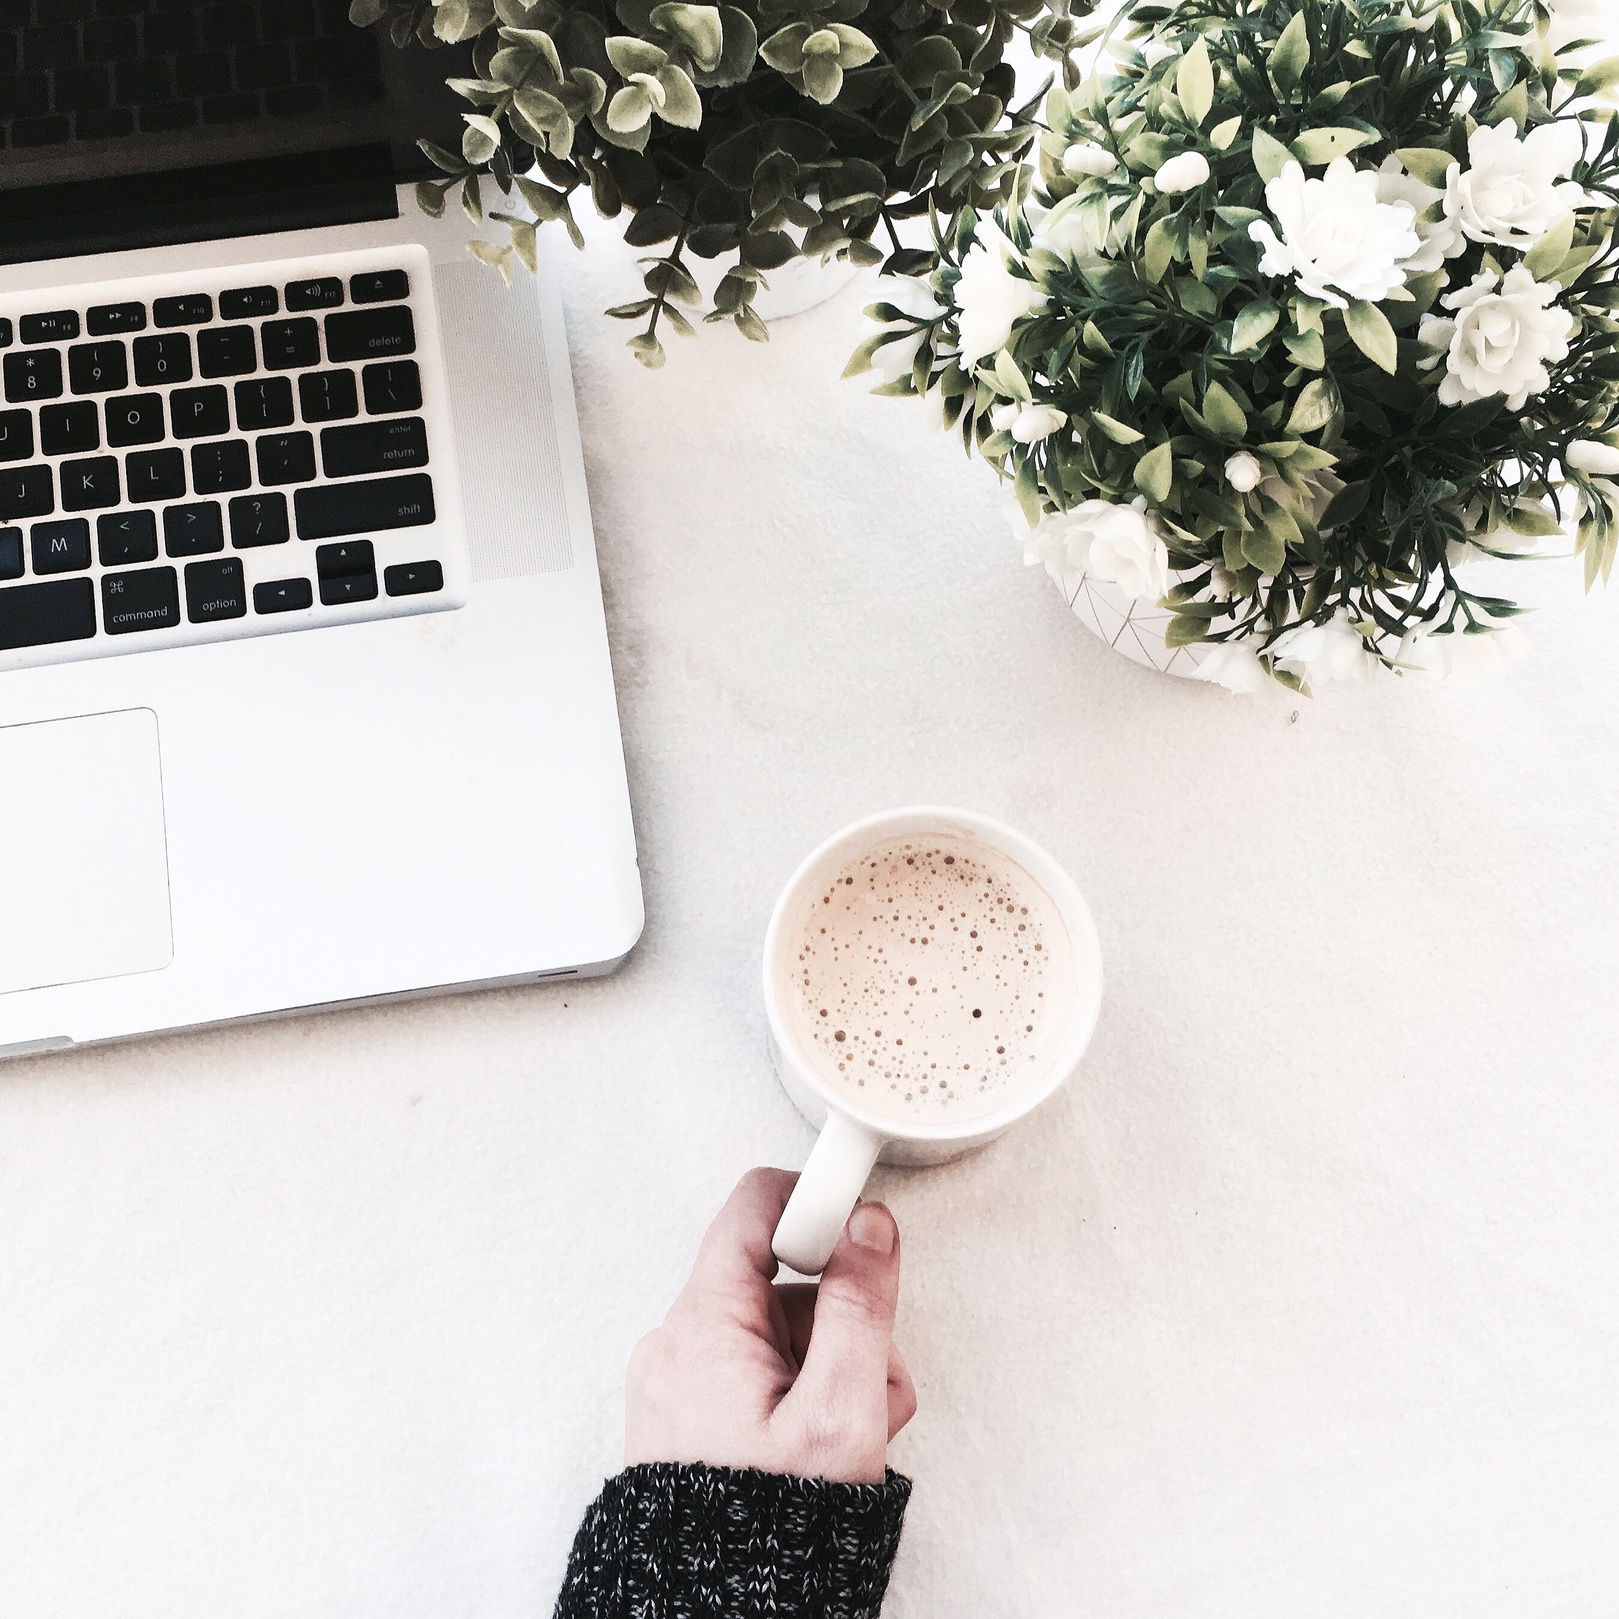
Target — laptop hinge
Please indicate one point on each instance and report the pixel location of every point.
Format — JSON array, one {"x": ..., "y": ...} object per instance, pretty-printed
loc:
[{"x": 296, "y": 192}]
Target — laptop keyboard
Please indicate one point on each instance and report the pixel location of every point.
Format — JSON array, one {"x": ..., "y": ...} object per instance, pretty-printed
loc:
[
  {"x": 102, "y": 69},
  {"x": 187, "y": 459}
]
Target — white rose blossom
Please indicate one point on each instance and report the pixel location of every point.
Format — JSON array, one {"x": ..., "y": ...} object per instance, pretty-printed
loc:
[
  {"x": 1439, "y": 239},
  {"x": 1028, "y": 424},
  {"x": 1571, "y": 20},
  {"x": 1243, "y": 472},
  {"x": 1325, "y": 654},
  {"x": 1338, "y": 241},
  {"x": 1186, "y": 171},
  {"x": 1086, "y": 157},
  {"x": 1068, "y": 231},
  {"x": 911, "y": 295},
  {"x": 990, "y": 297},
  {"x": 1236, "y": 666},
  {"x": 1118, "y": 545},
  {"x": 1509, "y": 193},
  {"x": 1500, "y": 342},
  {"x": 1591, "y": 455},
  {"x": 1453, "y": 652}
]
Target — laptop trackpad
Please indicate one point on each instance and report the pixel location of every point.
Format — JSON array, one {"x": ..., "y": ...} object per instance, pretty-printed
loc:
[{"x": 84, "y": 891}]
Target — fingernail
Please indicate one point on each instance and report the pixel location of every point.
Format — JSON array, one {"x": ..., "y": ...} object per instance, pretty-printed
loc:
[{"x": 872, "y": 1226}]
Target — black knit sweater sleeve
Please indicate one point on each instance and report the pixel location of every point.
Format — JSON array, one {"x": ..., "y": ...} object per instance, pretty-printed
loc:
[{"x": 670, "y": 1541}]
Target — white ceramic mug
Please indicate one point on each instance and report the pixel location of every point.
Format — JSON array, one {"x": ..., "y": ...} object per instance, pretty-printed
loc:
[{"x": 852, "y": 1139}]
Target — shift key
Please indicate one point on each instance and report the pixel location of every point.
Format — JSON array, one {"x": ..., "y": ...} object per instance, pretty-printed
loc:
[
  {"x": 328, "y": 511},
  {"x": 385, "y": 446}
]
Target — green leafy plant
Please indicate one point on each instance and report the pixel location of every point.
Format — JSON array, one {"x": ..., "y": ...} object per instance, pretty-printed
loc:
[
  {"x": 1305, "y": 303},
  {"x": 767, "y": 129}
]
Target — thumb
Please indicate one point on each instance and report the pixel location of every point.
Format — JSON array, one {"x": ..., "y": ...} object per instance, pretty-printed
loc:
[{"x": 842, "y": 1392}]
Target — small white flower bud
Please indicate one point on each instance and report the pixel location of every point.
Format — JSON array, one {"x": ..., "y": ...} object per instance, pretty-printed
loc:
[
  {"x": 1184, "y": 172},
  {"x": 1154, "y": 51},
  {"x": 1002, "y": 416},
  {"x": 1243, "y": 472},
  {"x": 1591, "y": 455},
  {"x": 1036, "y": 422},
  {"x": 1086, "y": 157}
]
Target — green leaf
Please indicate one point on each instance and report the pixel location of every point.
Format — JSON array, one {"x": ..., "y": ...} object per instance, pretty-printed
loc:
[
  {"x": 1315, "y": 406},
  {"x": 1291, "y": 55},
  {"x": 1599, "y": 76},
  {"x": 1194, "y": 82},
  {"x": 1155, "y": 473},
  {"x": 1119, "y": 432},
  {"x": 1373, "y": 336},
  {"x": 1185, "y": 629},
  {"x": 1254, "y": 323},
  {"x": 536, "y": 39},
  {"x": 1264, "y": 550},
  {"x": 1514, "y": 105},
  {"x": 1323, "y": 145},
  {"x": 1222, "y": 135},
  {"x": 1427, "y": 164},
  {"x": 681, "y": 105},
  {"x": 430, "y": 199},
  {"x": 1306, "y": 349},
  {"x": 648, "y": 350},
  {"x": 1270, "y": 156},
  {"x": 698, "y": 28},
  {"x": 481, "y": 138},
  {"x": 1158, "y": 249},
  {"x": 1549, "y": 252},
  {"x": 631, "y": 55},
  {"x": 823, "y": 78},
  {"x": 1223, "y": 414}
]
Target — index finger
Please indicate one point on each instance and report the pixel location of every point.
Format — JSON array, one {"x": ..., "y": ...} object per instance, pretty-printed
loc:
[{"x": 736, "y": 1248}]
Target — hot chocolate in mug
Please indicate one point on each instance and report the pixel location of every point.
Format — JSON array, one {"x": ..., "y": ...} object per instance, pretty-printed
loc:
[{"x": 931, "y": 976}]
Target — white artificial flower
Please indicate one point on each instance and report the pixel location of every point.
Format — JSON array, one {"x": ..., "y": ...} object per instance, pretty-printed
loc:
[
  {"x": 1453, "y": 652},
  {"x": 1243, "y": 472},
  {"x": 1068, "y": 230},
  {"x": 1155, "y": 50},
  {"x": 1086, "y": 157},
  {"x": 1571, "y": 20},
  {"x": 911, "y": 295},
  {"x": 1338, "y": 241},
  {"x": 1440, "y": 238},
  {"x": 1186, "y": 171},
  {"x": 928, "y": 409},
  {"x": 1591, "y": 455},
  {"x": 1324, "y": 654},
  {"x": 991, "y": 299},
  {"x": 1121, "y": 546},
  {"x": 1508, "y": 193},
  {"x": 1236, "y": 666},
  {"x": 1499, "y": 342},
  {"x": 1028, "y": 424},
  {"x": 1497, "y": 541}
]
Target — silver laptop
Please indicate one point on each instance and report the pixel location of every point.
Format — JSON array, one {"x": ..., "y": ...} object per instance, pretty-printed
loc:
[{"x": 305, "y": 694}]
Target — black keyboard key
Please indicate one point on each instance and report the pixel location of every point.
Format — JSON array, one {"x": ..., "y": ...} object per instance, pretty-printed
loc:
[
  {"x": 203, "y": 75},
  {"x": 123, "y": 538},
  {"x": 31, "y": 132},
  {"x": 364, "y": 508},
  {"x": 81, "y": 89},
  {"x": 394, "y": 385},
  {"x": 191, "y": 309},
  {"x": 327, "y": 396},
  {"x": 349, "y": 55},
  {"x": 215, "y": 590},
  {"x": 229, "y": 25},
  {"x": 89, "y": 484},
  {"x": 283, "y": 596},
  {"x": 290, "y": 343},
  {"x": 16, "y": 435},
  {"x": 379, "y": 286},
  {"x": 111, "y": 41},
  {"x": 387, "y": 446},
  {"x": 292, "y": 102},
  {"x": 5, "y": 333},
  {"x": 230, "y": 109},
  {"x": 134, "y": 419},
  {"x": 370, "y": 334},
  {"x": 413, "y": 578},
  {"x": 44, "y": 614},
  {"x": 104, "y": 126},
  {"x": 286, "y": 458},
  {"x": 98, "y": 368},
  {"x": 226, "y": 351},
  {"x": 326, "y": 293},
  {"x": 146, "y": 600},
  {"x": 26, "y": 492},
  {"x": 264, "y": 402},
  {"x": 31, "y": 376},
  {"x": 10, "y": 553},
  {"x": 199, "y": 412},
  {"x": 155, "y": 475},
  {"x": 176, "y": 30},
  {"x": 189, "y": 531},
  {"x": 105, "y": 319},
  {"x": 62, "y": 546},
  {"x": 347, "y": 572},
  {"x": 47, "y": 48},
  {"x": 142, "y": 81},
  {"x": 27, "y": 97},
  {"x": 160, "y": 117},
  {"x": 258, "y": 520},
  {"x": 264, "y": 67},
  {"x": 242, "y": 303},
  {"x": 162, "y": 359},
  {"x": 221, "y": 466},
  {"x": 70, "y": 429},
  {"x": 59, "y": 326}
]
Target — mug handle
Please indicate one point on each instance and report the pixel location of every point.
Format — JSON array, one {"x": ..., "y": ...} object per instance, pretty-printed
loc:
[{"x": 826, "y": 1193}]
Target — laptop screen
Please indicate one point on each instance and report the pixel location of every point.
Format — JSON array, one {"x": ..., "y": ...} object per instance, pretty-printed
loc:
[{"x": 138, "y": 122}]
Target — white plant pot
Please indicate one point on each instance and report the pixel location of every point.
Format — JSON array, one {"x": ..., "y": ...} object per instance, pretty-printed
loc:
[{"x": 1135, "y": 628}]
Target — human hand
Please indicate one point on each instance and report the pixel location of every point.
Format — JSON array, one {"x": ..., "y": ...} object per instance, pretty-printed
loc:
[{"x": 798, "y": 1378}]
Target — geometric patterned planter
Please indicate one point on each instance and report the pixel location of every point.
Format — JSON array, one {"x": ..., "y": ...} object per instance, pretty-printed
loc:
[{"x": 1135, "y": 628}]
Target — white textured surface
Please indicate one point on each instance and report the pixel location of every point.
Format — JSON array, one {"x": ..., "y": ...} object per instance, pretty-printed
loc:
[{"x": 1301, "y": 1301}]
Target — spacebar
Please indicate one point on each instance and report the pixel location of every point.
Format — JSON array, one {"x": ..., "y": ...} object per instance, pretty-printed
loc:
[
  {"x": 330, "y": 510},
  {"x": 39, "y": 615}
]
